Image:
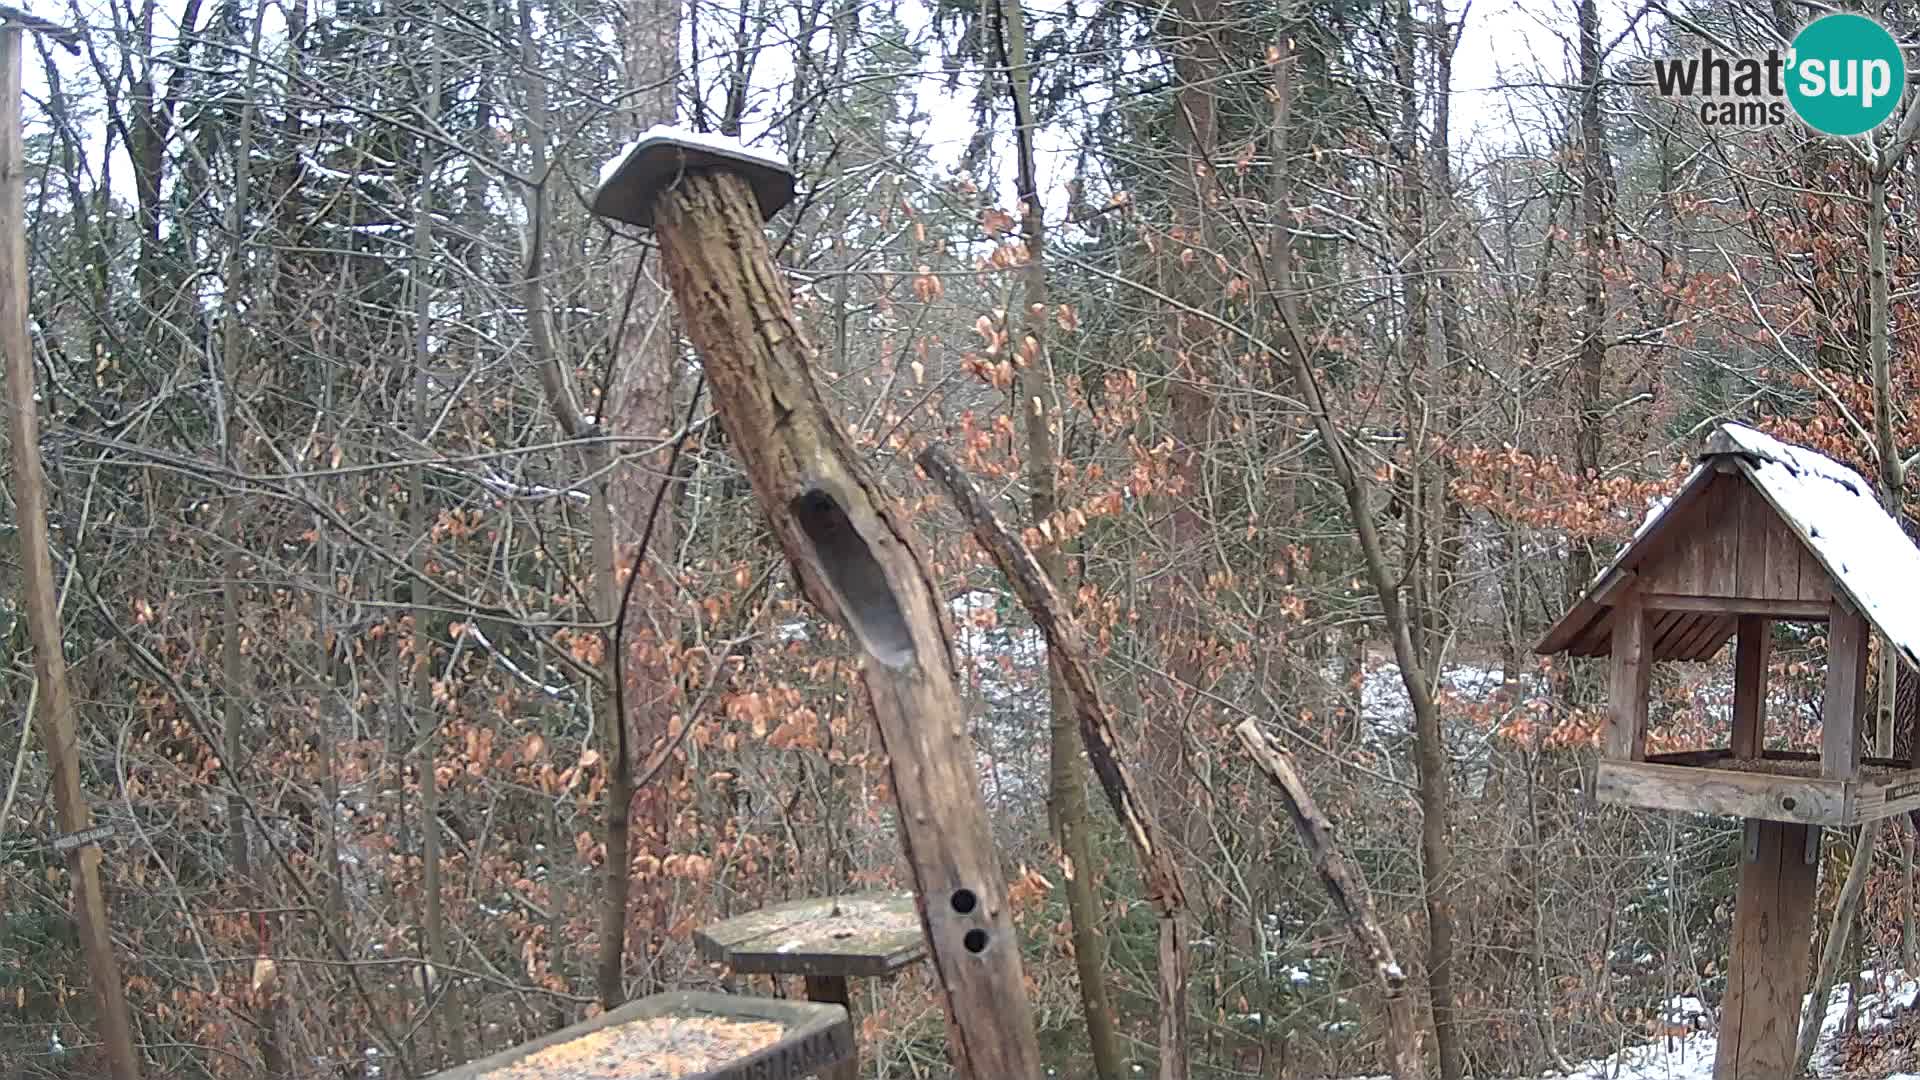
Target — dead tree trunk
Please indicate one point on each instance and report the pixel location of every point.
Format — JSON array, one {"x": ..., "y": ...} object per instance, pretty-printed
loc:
[
  {"x": 36, "y": 571},
  {"x": 1347, "y": 888},
  {"x": 857, "y": 559},
  {"x": 1068, "y": 653}
]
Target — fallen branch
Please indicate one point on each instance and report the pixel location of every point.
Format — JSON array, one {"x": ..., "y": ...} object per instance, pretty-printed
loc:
[
  {"x": 1067, "y": 651},
  {"x": 1347, "y": 888}
]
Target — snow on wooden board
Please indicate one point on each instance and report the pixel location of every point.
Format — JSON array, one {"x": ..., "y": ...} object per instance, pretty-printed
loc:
[
  {"x": 719, "y": 144},
  {"x": 1837, "y": 513}
]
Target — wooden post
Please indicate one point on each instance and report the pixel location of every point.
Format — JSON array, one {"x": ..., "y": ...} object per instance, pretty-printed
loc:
[
  {"x": 1630, "y": 671},
  {"x": 43, "y": 614},
  {"x": 855, "y": 555},
  {"x": 1846, "y": 692},
  {"x": 833, "y": 990},
  {"x": 1767, "y": 972},
  {"x": 1751, "y": 650}
]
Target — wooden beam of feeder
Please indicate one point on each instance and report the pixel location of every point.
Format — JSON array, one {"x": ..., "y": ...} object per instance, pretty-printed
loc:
[
  {"x": 856, "y": 558},
  {"x": 1067, "y": 650},
  {"x": 1347, "y": 888}
]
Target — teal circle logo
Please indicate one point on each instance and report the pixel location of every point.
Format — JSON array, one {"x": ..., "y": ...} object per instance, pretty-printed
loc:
[{"x": 1847, "y": 75}]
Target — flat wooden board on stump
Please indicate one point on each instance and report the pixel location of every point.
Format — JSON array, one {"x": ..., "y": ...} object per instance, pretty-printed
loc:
[{"x": 863, "y": 934}]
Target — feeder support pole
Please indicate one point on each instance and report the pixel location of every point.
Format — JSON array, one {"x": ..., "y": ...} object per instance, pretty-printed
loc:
[{"x": 857, "y": 559}]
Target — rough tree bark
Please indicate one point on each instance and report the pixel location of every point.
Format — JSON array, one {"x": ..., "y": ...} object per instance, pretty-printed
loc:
[
  {"x": 857, "y": 559},
  {"x": 1590, "y": 366},
  {"x": 641, "y": 394},
  {"x": 1193, "y": 43},
  {"x": 1073, "y": 673}
]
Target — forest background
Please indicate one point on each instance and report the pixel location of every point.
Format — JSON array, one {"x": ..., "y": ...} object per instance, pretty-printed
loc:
[{"x": 354, "y": 418}]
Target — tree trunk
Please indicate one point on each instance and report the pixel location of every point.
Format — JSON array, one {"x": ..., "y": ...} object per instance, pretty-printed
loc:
[
  {"x": 1181, "y": 628},
  {"x": 1073, "y": 677},
  {"x": 856, "y": 558},
  {"x": 56, "y": 713},
  {"x": 1068, "y": 790},
  {"x": 636, "y": 499},
  {"x": 1430, "y": 754},
  {"x": 1590, "y": 367},
  {"x": 437, "y": 987},
  {"x": 1386, "y": 585}
]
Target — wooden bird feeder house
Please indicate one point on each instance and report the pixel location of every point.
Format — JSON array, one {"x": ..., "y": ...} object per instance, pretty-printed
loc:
[{"x": 1761, "y": 532}]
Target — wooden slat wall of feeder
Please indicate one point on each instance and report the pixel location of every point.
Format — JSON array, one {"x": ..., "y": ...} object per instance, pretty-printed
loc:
[{"x": 1761, "y": 532}]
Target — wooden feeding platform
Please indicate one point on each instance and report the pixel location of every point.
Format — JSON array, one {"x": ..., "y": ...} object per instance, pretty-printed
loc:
[
  {"x": 863, "y": 934},
  {"x": 826, "y": 941},
  {"x": 682, "y": 1036},
  {"x": 1760, "y": 532},
  {"x": 1779, "y": 785}
]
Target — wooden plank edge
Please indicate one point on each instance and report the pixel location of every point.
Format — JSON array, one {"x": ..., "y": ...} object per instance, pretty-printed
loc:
[
  {"x": 1813, "y": 611},
  {"x": 1695, "y": 758},
  {"x": 1736, "y": 794},
  {"x": 804, "y": 963},
  {"x": 1897, "y": 794}
]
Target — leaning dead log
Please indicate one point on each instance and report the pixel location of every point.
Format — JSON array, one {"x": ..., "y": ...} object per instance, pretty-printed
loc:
[
  {"x": 1068, "y": 653},
  {"x": 1347, "y": 888},
  {"x": 854, "y": 553}
]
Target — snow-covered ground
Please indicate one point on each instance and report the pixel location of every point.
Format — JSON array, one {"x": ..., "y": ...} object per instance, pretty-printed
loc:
[{"x": 1690, "y": 1057}]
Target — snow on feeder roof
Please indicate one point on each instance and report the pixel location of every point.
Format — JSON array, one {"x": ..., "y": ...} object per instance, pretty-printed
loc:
[
  {"x": 631, "y": 180},
  {"x": 1760, "y": 526}
]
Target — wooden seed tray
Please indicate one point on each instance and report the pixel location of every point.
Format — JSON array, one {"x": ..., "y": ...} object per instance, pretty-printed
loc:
[{"x": 686, "y": 1035}]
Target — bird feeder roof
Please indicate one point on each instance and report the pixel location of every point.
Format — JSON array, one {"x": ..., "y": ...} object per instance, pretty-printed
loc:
[
  {"x": 632, "y": 180},
  {"x": 1753, "y": 506}
]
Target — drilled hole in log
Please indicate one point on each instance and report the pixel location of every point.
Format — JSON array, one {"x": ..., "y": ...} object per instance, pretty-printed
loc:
[
  {"x": 964, "y": 901},
  {"x": 856, "y": 575},
  {"x": 975, "y": 941}
]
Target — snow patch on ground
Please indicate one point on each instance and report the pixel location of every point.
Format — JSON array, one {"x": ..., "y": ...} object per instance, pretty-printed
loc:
[{"x": 1690, "y": 1057}]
